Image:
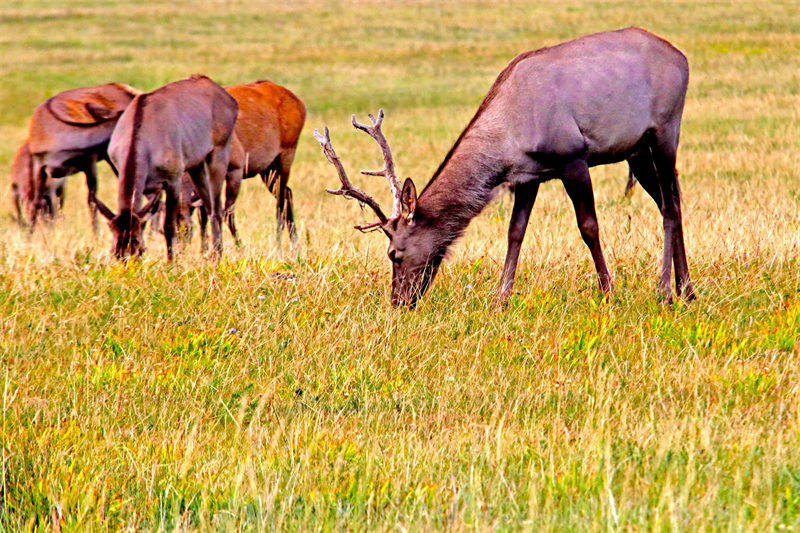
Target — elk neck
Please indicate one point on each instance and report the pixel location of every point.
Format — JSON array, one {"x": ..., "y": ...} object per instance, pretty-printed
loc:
[
  {"x": 464, "y": 183},
  {"x": 132, "y": 173}
]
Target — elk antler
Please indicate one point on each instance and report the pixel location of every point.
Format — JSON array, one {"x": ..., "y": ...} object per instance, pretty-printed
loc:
[
  {"x": 348, "y": 190},
  {"x": 375, "y": 132}
]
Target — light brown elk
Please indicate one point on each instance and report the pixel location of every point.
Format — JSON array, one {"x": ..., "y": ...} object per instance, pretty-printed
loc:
[
  {"x": 185, "y": 126},
  {"x": 551, "y": 114},
  {"x": 69, "y": 133}
]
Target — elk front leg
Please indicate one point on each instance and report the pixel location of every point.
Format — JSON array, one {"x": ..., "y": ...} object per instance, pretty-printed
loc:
[
  {"x": 171, "y": 216},
  {"x": 524, "y": 198},
  {"x": 107, "y": 159},
  {"x": 38, "y": 185},
  {"x": 233, "y": 183},
  {"x": 202, "y": 219},
  {"x": 91, "y": 186},
  {"x": 578, "y": 184},
  {"x": 17, "y": 198},
  {"x": 202, "y": 185}
]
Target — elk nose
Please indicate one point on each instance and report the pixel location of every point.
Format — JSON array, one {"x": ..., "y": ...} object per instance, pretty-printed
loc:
[{"x": 404, "y": 301}]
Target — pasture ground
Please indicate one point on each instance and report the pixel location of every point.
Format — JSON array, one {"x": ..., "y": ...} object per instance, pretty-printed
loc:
[{"x": 280, "y": 392}]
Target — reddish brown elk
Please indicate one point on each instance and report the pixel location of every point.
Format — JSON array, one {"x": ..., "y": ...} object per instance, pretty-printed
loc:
[
  {"x": 22, "y": 186},
  {"x": 270, "y": 120},
  {"x": 69, "y": 133},
  {"x": 268, "y": 127},
  {"x": 551, "y": 113},
  {"x": 185, "y": 126}
]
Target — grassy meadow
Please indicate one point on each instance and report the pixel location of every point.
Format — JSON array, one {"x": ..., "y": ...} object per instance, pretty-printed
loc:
[{"x": 281, "y": 391}]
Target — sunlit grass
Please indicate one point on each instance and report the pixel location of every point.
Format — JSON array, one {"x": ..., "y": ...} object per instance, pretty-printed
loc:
[{"x": 284, "y": 392}]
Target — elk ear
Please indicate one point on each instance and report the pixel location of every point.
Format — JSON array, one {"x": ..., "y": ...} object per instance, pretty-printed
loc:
[
  {"x": 103, "y": 208},
  {"x": 100, "y": 113},
  {"x": 408, "y": 199}
]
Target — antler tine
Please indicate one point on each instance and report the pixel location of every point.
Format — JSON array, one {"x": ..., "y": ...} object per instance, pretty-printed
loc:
[
  {"x": 348, "y": 190},
  {"x": 388, "y": 172}
]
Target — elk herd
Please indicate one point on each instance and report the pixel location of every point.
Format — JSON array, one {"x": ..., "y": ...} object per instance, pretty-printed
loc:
[
  {"x": 552, "y": 113},
  {"x": 189, "y": 140}
]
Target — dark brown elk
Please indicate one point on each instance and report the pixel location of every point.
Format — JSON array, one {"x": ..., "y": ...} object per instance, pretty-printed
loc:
[
  {"x": 551, "y": 114},
  {"x": 69, "y": 133},
  {"x": 191, "y": 201},
  {"x": 185, "y": 126},
  {"x": 268, "y": 127},
  {"x": 22, "y": 186}
]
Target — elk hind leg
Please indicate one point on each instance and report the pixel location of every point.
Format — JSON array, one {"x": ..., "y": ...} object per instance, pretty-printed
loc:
[
  {"x": 286, "y": 207},
  {"x": 91, "y": 186},
  {"x": 202, "y": 184},
  {"x": 217, "y": 170},
  {"x": 171, "y": 216},
  {"x": 673, "y": 218},
  {"x": 233, "y": 182},
  {"x": 38, "y": 184},
  {"x": 578, "y": 184}
]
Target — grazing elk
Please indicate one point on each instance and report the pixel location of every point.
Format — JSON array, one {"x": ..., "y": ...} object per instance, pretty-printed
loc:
[
  {"x": 270, "y": 120},
  {"x": 190, "y": 200},
  {"x": 185, "y": 126},
  {"x": 551, "y": 113},
  {"x": 267, "y": 130},
  {"x": 68, "y": 134},
  {"x": 22, "y": 186}
]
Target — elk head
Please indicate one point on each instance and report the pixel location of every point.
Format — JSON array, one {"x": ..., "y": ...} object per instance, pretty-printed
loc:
[
  {"x": 127, "y": 228},
  {"x": 415, "y": 248}
]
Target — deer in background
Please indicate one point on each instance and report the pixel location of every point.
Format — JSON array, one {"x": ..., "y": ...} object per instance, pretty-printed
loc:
[
  {"x": 22, "y": 186},
  {"x": 185, "y": 126},
  {"x": 265, "y": 141},
  {"x": 69, "y": 133},
  {"x": 270, "y": 120},
  {"x": 552, "y": 113}
]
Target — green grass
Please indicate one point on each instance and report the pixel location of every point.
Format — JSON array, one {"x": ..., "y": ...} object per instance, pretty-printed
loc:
[{"x": 278, "y": 392}]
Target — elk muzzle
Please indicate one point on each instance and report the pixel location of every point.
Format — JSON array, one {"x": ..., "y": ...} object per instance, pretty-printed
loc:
[{"x": 409, "y": 283}]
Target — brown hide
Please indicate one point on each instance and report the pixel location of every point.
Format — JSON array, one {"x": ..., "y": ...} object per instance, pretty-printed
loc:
[
  {"x": 85, "y": 114},
  {"x": 265, "y": 139},
  {"x": 270, "y": 121},
  {"x": 89, "y": 106},
  {"x": 68, "y": 134}
]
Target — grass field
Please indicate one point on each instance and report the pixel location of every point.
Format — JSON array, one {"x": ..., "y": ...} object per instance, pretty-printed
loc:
[{"x": 274, "y": 391}]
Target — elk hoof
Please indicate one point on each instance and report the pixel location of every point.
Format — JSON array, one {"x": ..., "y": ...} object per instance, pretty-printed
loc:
[
  {"x": 606, "y": 285},
  {"x": 666, "y": 297},
  {"x": 688, "y": 293}
]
